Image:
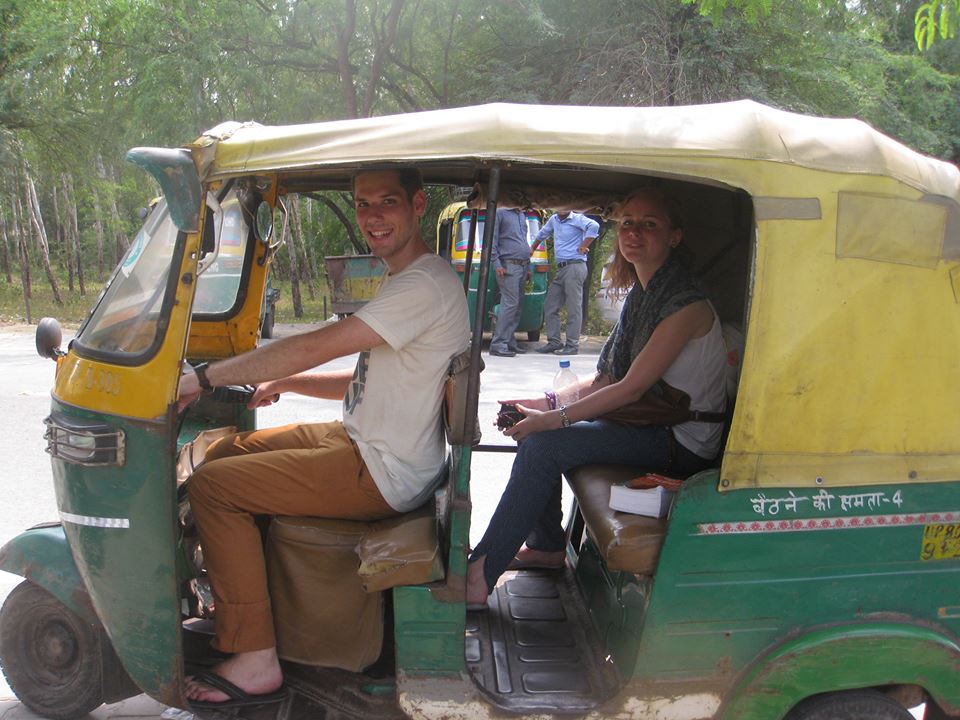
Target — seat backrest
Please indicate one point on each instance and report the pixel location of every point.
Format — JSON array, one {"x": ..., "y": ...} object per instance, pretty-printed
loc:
[{"x": 455, "y": 401}]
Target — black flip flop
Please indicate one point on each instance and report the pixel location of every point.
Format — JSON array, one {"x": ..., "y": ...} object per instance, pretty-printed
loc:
[{"x": 236, "y": 697}]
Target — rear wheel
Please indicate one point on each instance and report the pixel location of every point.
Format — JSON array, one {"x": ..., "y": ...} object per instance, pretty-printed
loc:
[
  {"x": 51, "y": 657},
  {"x": 851, "y": 705},
  {"x": 533, "y": 335}
]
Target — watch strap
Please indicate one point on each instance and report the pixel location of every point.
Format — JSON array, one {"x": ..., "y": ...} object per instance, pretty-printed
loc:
[{"x": 201, "y": 371}]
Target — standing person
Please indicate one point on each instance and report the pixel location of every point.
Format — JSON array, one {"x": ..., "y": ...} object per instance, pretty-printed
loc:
[
  {"x": 384, "y": 459},
  {"x": 668, "y": 331},
  {"x": 572, "y": 234},
  {"x": 510, "y": 256}
]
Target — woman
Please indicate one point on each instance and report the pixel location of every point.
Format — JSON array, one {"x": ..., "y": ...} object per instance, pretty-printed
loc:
[{"x": 667, "y": 330}]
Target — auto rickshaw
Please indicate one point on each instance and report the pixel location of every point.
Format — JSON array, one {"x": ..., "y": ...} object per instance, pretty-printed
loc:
[
  {"x": 455, "y": 226},
  {"x": 812, "y": 574}
]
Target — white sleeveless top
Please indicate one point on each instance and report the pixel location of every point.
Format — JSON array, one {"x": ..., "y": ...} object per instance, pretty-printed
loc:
[{"x": 700, "y": 371}]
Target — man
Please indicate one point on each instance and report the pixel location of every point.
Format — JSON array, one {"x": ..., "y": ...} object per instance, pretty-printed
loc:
[
  {"x": 510, "y": 257},
  {"x": 572, "y": 234},
  {"x": 382, "y": 460}
]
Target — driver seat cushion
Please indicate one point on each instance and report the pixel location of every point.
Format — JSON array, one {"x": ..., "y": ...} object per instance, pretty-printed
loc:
[
  {"x": 627, "y": 542},
  {"x": 326, "y": 578}
]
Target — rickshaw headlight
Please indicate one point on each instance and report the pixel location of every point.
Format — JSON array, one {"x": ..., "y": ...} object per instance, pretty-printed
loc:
[{"x": 82, "y": 442}]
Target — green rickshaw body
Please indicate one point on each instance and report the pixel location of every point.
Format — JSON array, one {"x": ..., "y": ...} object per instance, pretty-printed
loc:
[
  {"x": 453, "y": 236},
  {"x": 817, "y": 563}
]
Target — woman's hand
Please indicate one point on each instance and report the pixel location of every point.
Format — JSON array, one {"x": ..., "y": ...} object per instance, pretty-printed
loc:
[
  {"x": 537, "y": 403},
  {"x": 534, "y": 421}
]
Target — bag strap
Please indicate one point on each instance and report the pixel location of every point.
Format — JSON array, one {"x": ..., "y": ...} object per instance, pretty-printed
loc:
[{"x": 709, "y": 417}]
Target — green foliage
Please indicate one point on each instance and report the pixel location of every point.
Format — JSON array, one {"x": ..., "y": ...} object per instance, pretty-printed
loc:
[
  {"x": 935, "y": 20},
  {"x": 85, "y": 80},
  {"x": 753, "y": 10}
]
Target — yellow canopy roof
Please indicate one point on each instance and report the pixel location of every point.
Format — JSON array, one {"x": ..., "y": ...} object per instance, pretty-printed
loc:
[{"x": 615, "y": 137}]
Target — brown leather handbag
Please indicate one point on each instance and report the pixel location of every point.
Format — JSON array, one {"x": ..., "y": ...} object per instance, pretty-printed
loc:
[{"x": 662, "y": 404}]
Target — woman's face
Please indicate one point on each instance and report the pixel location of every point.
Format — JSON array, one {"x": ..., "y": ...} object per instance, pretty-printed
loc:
[{"x": 645, "y": 234}]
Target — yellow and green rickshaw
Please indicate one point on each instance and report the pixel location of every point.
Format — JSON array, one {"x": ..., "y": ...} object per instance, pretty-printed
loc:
[{"x": 455, "y": 231}]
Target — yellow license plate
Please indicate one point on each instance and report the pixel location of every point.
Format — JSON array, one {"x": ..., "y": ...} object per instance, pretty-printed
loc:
[{"x": 940, "y": 541}]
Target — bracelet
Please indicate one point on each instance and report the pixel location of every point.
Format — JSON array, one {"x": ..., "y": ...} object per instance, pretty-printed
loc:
[
  {"x": 201, "y": 371},
  {"x": 564, "y": 420},
  {"x": 551, "y": 399}
]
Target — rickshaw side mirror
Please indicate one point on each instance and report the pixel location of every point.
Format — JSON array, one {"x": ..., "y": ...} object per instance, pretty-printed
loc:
[
  {"x": 264, "y": 222},
  {"x": 49, "y": 338}
]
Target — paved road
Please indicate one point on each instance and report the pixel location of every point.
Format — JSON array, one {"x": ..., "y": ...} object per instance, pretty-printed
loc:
[{"x": 26, "y": 487}]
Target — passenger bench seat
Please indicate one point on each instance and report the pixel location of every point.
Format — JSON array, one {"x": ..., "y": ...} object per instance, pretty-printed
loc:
[{"x": 627, "y": 542}]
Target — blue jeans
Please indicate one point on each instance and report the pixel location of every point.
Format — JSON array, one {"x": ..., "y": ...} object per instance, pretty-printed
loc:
[{"x": 530, "y": 508}]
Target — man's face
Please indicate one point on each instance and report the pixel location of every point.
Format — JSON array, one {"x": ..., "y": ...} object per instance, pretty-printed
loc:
[
  {"x": 564, "y": 215},
  {"x": 388, "y": 219}
]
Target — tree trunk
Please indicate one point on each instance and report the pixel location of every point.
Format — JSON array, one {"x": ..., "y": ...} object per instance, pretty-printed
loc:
[
  {"x": 5, "y": 249},
  {"x": 120, "y": 237},
  {"x": 63, "y": 249},
  {"x": 71, "y": 201},
  {"x": 358, "y": 245},
  {"x": 384, "y": 37},
  {"x": 294, "y": 275},
  {"x": 296, "y": 230},
  {"x": 24, "y": 254},
  {"x": 309, "y": 249},
  {"x": 345, "y": 33},
  {"x": 98, "y": 221},
  {"x": 36, "y": 221}
]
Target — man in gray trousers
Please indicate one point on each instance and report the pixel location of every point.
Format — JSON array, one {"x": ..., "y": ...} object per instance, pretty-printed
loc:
[
  {"x": 572, "y": 234},
  {"x": 510, "y": 256}
]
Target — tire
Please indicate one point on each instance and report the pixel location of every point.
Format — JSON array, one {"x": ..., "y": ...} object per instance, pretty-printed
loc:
[
  {"x": 850, "y": 705},
  {"x": 533, "y": 335},
  {"x": 51, "y": 657}
]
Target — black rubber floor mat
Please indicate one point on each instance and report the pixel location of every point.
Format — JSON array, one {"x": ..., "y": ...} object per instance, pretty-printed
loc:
[{"x": 533, "y": 650}]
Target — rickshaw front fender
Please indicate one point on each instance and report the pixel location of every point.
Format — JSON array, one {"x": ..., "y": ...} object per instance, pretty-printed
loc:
[
  {"x": 847, "y": 657},
  {"x": 42, "y": 556}
]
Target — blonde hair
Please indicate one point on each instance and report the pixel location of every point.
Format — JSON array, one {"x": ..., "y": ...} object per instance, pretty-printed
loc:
[{"x": 621, "y": 272}]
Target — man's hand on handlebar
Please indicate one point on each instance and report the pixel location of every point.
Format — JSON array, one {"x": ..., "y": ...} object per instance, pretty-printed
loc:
[
  {"x": 265, "y": 394},
  {"x": 189, "y": 389}
]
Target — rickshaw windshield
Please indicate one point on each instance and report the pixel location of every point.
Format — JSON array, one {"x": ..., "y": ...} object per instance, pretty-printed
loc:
[
  {"x": 219, "y": 285},
  {"x": 127, "y": 321},
  {"x": 463, "y": 231}
]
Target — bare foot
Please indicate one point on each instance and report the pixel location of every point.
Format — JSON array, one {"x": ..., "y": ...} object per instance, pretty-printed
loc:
[
  {"x": 257, "y": 672},
  {"x": 539, "y": 558},
  {"x": 476, "y": 583}
]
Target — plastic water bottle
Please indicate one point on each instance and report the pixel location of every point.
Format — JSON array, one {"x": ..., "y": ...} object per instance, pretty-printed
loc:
[{"x": 566, "y": 385}]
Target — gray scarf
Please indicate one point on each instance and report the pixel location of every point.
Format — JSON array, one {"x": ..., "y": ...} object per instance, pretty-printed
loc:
[{"x": 671, "y": 288}]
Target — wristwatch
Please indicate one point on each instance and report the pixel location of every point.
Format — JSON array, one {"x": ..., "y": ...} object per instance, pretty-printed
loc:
[
  {"x": 201, "y": 371},
  {"x": 564, "y": 420}
]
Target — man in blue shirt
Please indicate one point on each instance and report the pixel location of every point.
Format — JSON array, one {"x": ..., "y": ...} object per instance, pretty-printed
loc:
[
  {"x": 510, "y": 257},
  {"x": 572, "y": 234}
]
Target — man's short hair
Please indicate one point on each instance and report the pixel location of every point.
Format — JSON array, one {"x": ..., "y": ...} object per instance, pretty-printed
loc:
[{"x": 411, "y": 180}]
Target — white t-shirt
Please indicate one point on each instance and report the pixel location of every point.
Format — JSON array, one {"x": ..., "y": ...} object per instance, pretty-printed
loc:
[
  {"x": 700, "y": 371},
  {"x": 392, "y": 407}
]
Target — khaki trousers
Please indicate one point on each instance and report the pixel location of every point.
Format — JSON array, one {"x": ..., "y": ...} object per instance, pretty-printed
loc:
[{"x": 302, "y": 470}]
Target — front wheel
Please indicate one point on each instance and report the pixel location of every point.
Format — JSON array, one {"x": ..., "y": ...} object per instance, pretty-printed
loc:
[
  {"x": 850, "y": 705},
  {"x": 51, "y": 657}
]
